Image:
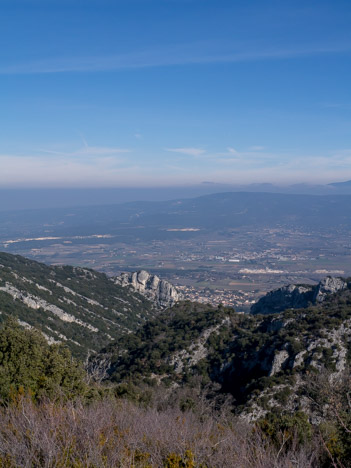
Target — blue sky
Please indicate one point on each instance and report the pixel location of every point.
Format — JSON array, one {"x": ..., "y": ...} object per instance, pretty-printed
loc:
[{"x": 171, "y": 92}]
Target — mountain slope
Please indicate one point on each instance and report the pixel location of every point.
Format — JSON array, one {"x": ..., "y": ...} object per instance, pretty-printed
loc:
[
  {"x": 153, "y": 350},
  {"x": 294, "y": 296},
  {"x": 78, "y": 306},
  {"x": 265, "y": 362}
]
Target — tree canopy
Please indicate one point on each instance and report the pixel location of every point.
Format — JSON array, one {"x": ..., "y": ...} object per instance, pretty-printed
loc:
[{"x": 28, "y": 364}]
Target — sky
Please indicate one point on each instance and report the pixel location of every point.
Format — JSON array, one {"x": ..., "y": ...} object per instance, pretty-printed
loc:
[{"x": 157, "y": 93}]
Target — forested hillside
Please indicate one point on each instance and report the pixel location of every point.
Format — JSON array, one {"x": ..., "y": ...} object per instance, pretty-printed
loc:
[
  {"x": 281, "y": 380},
  {"x": 264, "y": 362},
  {"x": 80, "y": 307},
  {"x": 53, "y": 414}
]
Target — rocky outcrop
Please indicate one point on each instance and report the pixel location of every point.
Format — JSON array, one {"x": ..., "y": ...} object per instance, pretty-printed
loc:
[
  {"x": 279, "y": 360},
  {"x": 35, "y": 302},
  {"x": 186, "y": 358},
  {"x": 327, "y": 286},
  {"x": 287, "y": 297},
  {"x": 297, "y": 296},
  {"x": 266, "y": 363},
  {"x": 163, "y": 293}
]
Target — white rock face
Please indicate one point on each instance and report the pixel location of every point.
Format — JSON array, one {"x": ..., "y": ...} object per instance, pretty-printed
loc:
[
  {"x": 329, "y": 285},
  {"x": 35, "y": 302},
  {"x": 279, "y": 359},
  {"x": 196, "y": 350},
  {"x": 151, "y": 286},
  {"x": 299, "y": 358}
]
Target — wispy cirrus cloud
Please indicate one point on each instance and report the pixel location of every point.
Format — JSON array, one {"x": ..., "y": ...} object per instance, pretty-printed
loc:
[
  {"x": 103, "y": 167},
  {"x": 232, "y": 151},
  {"x": 202, "y": 52},
  {"x": 338, "y": 160},
  {"x": 285, "y": 165},
  {"x": 187, "y": 151},
  {"x": 89, "y": 151}
]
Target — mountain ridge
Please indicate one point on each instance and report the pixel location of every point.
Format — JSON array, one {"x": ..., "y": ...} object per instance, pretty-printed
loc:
[
  {"x": 216, "y": 211},
  {"x": 264, "y": 361},
  {"x": 295, "y": 296},
  {"x": 78, "y": 306}
]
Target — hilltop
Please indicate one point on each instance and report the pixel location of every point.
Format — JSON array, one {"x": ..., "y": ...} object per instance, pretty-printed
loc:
[
  {"x": 264, "y": 361},
  {"x": 294, "y": 296}
]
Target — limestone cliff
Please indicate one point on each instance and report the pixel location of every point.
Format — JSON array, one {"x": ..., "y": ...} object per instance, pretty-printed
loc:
[
  {"x": 163, "y": 293},
  {"x": 327, "y": 286},
  {"x": 265, "y": 362},
  {"x": 295, "y": 296}
]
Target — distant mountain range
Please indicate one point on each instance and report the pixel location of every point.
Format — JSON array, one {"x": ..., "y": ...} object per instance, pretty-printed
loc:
[
  {"x": 185, "y": 218},
  {"x": 20, "y": 199},
  {"x": 346, "y": 184}
]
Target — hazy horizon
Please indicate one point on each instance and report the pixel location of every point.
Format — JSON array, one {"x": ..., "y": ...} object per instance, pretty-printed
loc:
[{"x": 37, "y": 198}]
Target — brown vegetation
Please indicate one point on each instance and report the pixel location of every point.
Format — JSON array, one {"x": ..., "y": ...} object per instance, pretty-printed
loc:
[{"x": 117, "y": 433}]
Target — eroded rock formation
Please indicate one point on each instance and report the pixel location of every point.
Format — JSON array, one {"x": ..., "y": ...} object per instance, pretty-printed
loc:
[{"x": 163, "y": 293}]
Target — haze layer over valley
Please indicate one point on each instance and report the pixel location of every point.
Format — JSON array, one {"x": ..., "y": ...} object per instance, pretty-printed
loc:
[{"x": 226, "y": 247}]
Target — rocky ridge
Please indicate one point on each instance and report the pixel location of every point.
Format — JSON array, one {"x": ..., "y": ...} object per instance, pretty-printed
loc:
[
  {"x": 294, "y": 296},
  {"x": 160, "y": 291},
  {"x": 264, "y": 361},
  {"x": 78, "y": 306}
]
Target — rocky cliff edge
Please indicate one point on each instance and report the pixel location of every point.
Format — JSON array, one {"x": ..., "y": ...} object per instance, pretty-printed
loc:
[{"x": 160, "y": 291}]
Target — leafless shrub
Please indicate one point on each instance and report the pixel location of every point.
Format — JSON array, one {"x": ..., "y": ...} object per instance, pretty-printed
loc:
[
  {"x": 97, "y": 367},
  {"x": 117, "y": 433}
]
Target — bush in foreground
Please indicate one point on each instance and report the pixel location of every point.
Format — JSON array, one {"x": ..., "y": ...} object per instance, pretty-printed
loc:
[
  {"x": 29, "y": 365},
  {"x": 112, "y": 433}
]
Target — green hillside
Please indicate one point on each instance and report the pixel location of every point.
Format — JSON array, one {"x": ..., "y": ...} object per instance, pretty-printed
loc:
[
  {"x": 80, "y": 307},
  {"x": 264, "y": 362}
]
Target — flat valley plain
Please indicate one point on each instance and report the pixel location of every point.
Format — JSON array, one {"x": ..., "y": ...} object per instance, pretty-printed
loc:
[{"x": 228, "y": 248}]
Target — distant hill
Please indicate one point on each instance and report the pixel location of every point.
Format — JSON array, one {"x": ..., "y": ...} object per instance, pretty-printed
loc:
[
  {"x": 295, "y": 296},
  {"x": 346, "y": 184},
  {"x": 264, "y": 362},
  {"x": 36, "y": 198},
  {"x": 179, "y": 218},
  {"x": 80, "y": 307}
]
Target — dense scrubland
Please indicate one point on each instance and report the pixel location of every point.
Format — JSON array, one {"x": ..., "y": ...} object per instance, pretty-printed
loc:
[
  {"x": 54, "y": 415},
  {"x": 192, "y": 386}
]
